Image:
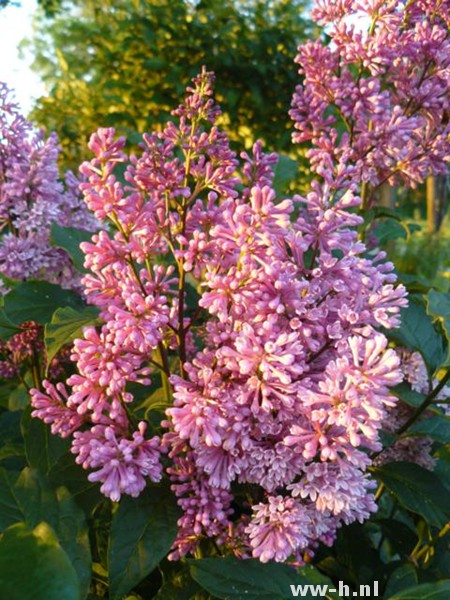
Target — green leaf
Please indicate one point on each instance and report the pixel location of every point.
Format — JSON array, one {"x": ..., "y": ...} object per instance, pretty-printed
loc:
[
  {"x": 9, "y": 510},
  {"x": 42, "y": 448},
  {"x": 33, "y": 565},
  {"x": 70, "y": 239},
  {"x": 442, "y": 468},
  {"x": 405, "y": 393},
  {"x": 312, "y": 576},
  {"x": 403, "y": 577},
  {"x": 390, "y": 226},
  {"x": 142, "y": 532},
  {"x": 390, "y": 229},
  {"x": 400, "y": 536},
  {"x": 331, "y": 567},
  {"x": 417, "y": 489},
  {"x": 415, "y": 284},
  {"x": 354, "y": 549},
  {"x": 440, "y": 590},
  {"x": 7, "y": 327},
  {"x": 73, "y": 536},
  {"x": 6, "y": 388},
  {"x": 10, "y": 426},
  {"x": 178, "y": 586},
  {"x": 37, "y": 301},
  {"x": 19, "y": 398},
  {"x": 232, "y": 579},
  {"x": 285, "y": 172},
  {"x": 12, "y": 452},
  {"x": 417, "y": 333},
  {"x": 156, "y": 401},
  {"x": 66, "y": 325},
  {"x": 437, "y": 428},
  {"x": 29, "y": 498},
  {"x": 438, "y": 306},
  {"x": 68, "y": 473}
]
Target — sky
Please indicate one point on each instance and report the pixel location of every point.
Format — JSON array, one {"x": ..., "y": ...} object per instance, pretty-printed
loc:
[{"x": 15, "y": 25}]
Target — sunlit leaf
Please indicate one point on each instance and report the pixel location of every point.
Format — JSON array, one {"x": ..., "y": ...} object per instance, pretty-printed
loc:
[{"x": 34, "y": 566}]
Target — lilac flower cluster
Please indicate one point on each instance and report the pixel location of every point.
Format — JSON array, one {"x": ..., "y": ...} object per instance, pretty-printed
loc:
[
  {"x": 19, "y": 348},
  {"x": 278, "y": 385},
  {"x": 387, "y": 83},
  {"x": 412, "y": 448},
  {"x": 270, "y": 424},
  {"x": 32, "y": 199},
  {"x": 415, "y": 370},
  {"x": 141, "y": 300},
  {"x": 291, "y": 388},
  {"x": 26, "y": 348}
]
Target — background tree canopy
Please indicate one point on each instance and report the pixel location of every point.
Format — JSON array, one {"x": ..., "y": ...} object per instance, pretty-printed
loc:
[{"x": 125, "y": 64}]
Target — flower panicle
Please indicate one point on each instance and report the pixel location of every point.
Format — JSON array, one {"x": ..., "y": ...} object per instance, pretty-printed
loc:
[{"x": 280, "y": 379}]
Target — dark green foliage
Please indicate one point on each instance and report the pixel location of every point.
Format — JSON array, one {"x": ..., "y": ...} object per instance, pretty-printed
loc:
[
  {"x": 36, "y": 553},
  {"x": 416, "y": 489},
  {"x": 30, "y": 499},
  {"x": 142, "y": 531},
  {"x": 233, "y": 579},
  {"x": 37, "y": 301},
  {"x": 417, "y": 333},
  {"x": 70, "y": 238}
]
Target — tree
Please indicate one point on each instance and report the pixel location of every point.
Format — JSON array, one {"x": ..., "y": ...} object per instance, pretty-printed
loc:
[{"x": 123, "y": 64}]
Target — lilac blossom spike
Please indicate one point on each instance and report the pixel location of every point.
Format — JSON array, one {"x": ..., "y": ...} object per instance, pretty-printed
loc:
[
  {"x": 32, "y": 198},
  {"x": 279, "y": 382}
]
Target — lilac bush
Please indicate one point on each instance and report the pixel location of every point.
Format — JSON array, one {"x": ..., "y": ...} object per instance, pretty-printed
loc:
[{"x": 277, "y": 384}]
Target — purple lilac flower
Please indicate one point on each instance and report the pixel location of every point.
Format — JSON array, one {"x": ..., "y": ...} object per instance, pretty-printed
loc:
[
  {"x": 388, "y": 83},
  {"x": 282, "y": 383},
  {"x": 412, "y": 448},
  {"x": 32, "y": 198}
]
